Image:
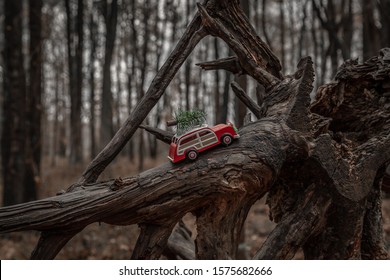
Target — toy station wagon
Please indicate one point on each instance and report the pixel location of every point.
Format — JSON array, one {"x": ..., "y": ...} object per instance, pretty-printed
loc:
[{"x": 189, "y": 145}]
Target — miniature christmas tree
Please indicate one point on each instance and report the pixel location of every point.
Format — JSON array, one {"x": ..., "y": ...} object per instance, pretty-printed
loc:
[{"x": 187, "y": 120}]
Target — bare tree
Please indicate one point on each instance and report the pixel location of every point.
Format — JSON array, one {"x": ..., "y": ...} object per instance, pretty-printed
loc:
[
  {"x": 264, "y": 23},
  {"x": 33, "y": 101},
  {"x": 282, "y": 33},
  {"x": 75, "y": 37},
  {"x": 14, "y": 132},
  {"x": 371, "y": 34},
  {"x": 110, "y": 14},
  {"x": 216, "y": 93},
  {"x": 92, "y": 96},
  {"x": 384, "y": 8}
]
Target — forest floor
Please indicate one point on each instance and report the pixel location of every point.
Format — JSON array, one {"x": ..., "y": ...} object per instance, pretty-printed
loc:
[{"x": 102, "y": 241}]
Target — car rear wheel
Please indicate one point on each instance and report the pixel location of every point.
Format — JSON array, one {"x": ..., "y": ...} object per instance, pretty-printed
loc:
[
  {"x": 192, "y": 155},
  {"x": 226, "y": 140}
]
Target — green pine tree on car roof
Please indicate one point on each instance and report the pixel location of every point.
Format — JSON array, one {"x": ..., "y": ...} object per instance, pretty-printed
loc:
[{"x": 188, "y": 120}]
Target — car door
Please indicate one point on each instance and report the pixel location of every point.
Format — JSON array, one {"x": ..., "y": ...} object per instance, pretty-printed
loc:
[
  {"x": 188, "y": 142},
  {"x": 207, "y": 138}
]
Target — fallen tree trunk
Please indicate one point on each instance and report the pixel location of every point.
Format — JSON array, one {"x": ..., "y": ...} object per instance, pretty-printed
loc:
[
  {"x": 321, "y": 165},
  {"x": 163, "y": 195},
  {"x": 159, "y": 195}
]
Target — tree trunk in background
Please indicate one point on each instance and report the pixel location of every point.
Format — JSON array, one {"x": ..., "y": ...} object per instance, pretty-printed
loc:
[
  {"x": 347, "y": 30},
  {"x": 282, "y": 34},
  {"x": 160, "y": 34},
  {"x": 34, "y": 103},
  {"x": 132, "y": 53},
  {"x": 240, "y": 107},
  {"x": 117, "y": 101},
  {"x": 75, "y": 64},
  {"x": 335, "y": 18},
  {"x": 384, "y": 11},
  {"x": 107, "y": 126},
  {"x": 332, "y": 28},
  {"x": 225, "y": 102},
  {"x": 292, "y": 36},
  {"x": 302, "y": 51},
  {"x": 55, "y": 132},
  {"x": 256, "y": 16},
  {"x": 130, "y": 104},
  {"x": 263, "y": 21},
  {"x": 14, "y": 130},
  {"x": 188, "y": 63},
  {"x": 217, "y": 94},
  {"x": 316, "y": 47},
  {"x": 143, "y": 69},
  {"x": 92, "y": 121},
  {"x": 371, "y": 34},
  {"x": 77, "y": 155},
  {"x": 226, "y": 91}
]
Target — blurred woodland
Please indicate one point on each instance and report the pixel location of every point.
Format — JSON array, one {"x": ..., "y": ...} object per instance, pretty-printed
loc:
[{"x": 71, "y": 71}]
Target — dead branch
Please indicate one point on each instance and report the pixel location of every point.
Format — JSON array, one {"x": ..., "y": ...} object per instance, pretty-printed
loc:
[
  {"x": 230, "y": 64},
  {"x": 254, "y": 55},
  {"x": 162, "y": 135},
  {"x": 171, "y": 123}
]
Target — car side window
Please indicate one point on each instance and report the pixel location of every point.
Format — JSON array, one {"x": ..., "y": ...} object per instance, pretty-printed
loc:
[
  {"x": 207, "y": 137},
  {"x": 188, "y": 139},
  {"x": 204, "y": 132}
]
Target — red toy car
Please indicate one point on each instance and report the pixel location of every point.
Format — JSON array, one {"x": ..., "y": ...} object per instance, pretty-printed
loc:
[{"x": 200, "y": 139}]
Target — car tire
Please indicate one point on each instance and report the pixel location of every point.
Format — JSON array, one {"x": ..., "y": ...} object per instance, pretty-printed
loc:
[
  {"x": 192, "y": 155},
  {"x": 226, "y": 140}
]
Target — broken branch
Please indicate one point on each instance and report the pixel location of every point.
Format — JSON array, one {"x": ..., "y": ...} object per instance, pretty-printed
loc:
[
  {"x": 230, "y": 64},
  {"x": 162, "y": 135}
]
